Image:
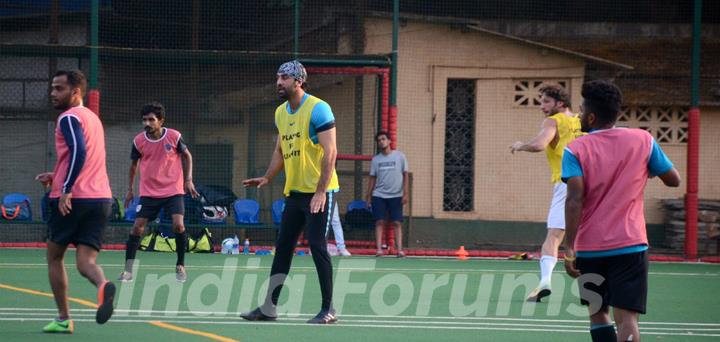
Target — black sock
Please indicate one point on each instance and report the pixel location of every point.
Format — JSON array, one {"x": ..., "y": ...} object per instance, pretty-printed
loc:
[
  {"x": 603, "y": 333},
  {"x": 180, "y": 246},
  {"x": 131, "y": 247}
]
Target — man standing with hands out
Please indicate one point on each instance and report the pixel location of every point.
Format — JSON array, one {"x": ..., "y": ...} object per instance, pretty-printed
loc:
[{"x": 306, "y": 150}]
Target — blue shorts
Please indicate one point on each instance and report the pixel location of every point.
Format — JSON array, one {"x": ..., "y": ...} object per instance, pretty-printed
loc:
[{"x": 387, "y": 209}]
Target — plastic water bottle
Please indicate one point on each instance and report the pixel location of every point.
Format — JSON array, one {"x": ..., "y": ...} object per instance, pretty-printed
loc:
[
  {"x": 236, "y": 245},
  {"x": 246, "y": 247}
]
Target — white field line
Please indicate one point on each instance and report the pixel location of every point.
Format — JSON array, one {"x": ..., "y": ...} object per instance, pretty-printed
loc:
[
  {"x": 444, "y": 326},
  {"x": 233, "y": 315},
  {"x": 375, "y": 270}
]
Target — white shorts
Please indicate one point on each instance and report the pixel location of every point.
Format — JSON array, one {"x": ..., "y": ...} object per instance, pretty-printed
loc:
[{"x": 556, "y": 214}]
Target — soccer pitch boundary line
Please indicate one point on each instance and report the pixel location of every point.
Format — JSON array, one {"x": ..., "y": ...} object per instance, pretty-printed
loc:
[
  {"x": 358, "y": 269},
  {"x": 381, "y": 322},
  {"x": 388, "y": 325},
  {"x": 438, "y": 259},
  {"x": 183, "y": 314},
  {"x": 93, "y": 305}
]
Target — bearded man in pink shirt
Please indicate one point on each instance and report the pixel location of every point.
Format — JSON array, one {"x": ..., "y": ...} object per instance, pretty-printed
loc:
[
  {"x": 165, "y": 176},
  {"x": 79, "y": 198}
]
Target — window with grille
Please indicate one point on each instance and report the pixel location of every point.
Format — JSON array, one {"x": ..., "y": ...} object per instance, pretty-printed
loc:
[
  {"x": 527, "y": 92},
  {"x": 459, "y": 175},
  {"x": 667, "y": 124}
]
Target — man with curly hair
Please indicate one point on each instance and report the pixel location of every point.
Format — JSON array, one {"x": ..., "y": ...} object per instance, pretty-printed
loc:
[{"x": 559, "y": 128}]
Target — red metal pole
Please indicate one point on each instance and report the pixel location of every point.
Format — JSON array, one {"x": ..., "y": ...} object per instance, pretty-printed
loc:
[
  {"x": 392, "y": 123},
  {"x": 386, "y": 101},
  {"x": 390, "y": 236},
  {"x": 388, "y": 120},
  {"x": 346, "y": 70},
  {"x": 353, "y": 157},
  {"x": 94, "y": 101},
  {"x": 691, "y": 197}
]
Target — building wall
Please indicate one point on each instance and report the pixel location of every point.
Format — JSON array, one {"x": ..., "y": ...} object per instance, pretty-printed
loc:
[
  {"x": 709, "y": 186},
  {"x": 429, "y": 55},
  {"x": 507, "y": 187}
]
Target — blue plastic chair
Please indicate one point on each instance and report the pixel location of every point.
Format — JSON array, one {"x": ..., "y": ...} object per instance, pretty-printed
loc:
[
  {"x": 277, "y": 210},
  {"x": 130, "y": 210},
  {"x": 358, "y": 215},
  {"x": 357, "y": 204},
  {"x": 246, "y": 211}
]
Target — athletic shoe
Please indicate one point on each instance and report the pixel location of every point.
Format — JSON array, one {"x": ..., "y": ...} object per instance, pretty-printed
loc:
[
  {"x": 520, "y": 256},
  {"x": 258, "y": 315},
  {"x": 400, "y": 254},
  {"x": 324, "y": 317},
  {"x": 379, "y": 253},
  {"x": 60, "y": 327},
  {"x": 344, "y": 252},
  {"x": 106, "y": 295},
  {"x": 180, "y": 274},
  {"x": 539, "y": 293},
  {"x": 125, "y": 277}
]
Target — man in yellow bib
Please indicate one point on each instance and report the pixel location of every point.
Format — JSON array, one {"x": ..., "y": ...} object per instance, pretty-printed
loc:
[
  {"x": 306, "y": 150},
  {"x": 559, "y": 128}
]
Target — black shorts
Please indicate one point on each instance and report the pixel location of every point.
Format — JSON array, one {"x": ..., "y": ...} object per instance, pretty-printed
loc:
[
  {"x": 620, "y": 280},
  {"x": 150, "y": 207},
  {"x": 84, "y": 225}
]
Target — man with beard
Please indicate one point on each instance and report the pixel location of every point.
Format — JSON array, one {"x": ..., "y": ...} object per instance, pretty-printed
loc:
[
  {"x": 80, "y": 198},
  {"x": 306, "y": 150},
  {"x": 559, "y": 128},
  {"x": 162, "y": 155},
  {"x": 605, "y": 238}
]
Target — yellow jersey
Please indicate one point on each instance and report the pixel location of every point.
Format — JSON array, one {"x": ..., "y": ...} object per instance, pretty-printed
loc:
[
  {"x": 568, "y": 128},
  {"x": 302, "y": 157}
]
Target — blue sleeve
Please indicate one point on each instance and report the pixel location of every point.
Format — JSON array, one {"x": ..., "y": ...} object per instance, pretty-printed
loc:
[
  {"x": 75, "y": 141},
  {"x": 181, "y": 147},
  {"x": 570, "y": 166},
  {"x": 134, "y": 153},
  {"x": 658, "y": 163},
  {"x": 322, "y": 117}
]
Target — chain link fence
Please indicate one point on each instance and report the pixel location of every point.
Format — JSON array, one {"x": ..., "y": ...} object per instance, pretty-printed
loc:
[{"x": 467, "y": 84}]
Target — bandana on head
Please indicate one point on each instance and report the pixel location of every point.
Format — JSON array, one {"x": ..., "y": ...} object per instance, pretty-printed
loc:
[{"x": 293, "y": 69}]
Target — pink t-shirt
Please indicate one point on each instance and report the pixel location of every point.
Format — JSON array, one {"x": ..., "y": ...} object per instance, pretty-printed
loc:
[
  {"x": 615, "y": 171},
  {"x": 92, "y": 180},
  {"x": 161, "y": 172}
]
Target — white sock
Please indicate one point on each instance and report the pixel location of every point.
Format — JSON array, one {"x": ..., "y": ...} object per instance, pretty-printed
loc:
[{"x": 547, "y": 264}]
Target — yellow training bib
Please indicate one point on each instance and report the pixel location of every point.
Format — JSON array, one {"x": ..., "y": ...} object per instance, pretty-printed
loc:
[
  {"x": 568, "y": 128},
  {"x": 302, "y": 157}
]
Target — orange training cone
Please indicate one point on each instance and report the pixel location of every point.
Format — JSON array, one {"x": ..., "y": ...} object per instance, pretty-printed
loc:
[{"x": 461, "y": 253}]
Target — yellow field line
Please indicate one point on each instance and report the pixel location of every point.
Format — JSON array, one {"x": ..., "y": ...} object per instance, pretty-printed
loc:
[
  {"x": 45, "y": 294},
  {"x": 94, "y": 306},
  {"x": 193, "y": 332}
]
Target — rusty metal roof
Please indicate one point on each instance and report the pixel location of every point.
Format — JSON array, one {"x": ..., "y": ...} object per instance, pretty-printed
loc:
[{"x": 662, "y": 68}]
